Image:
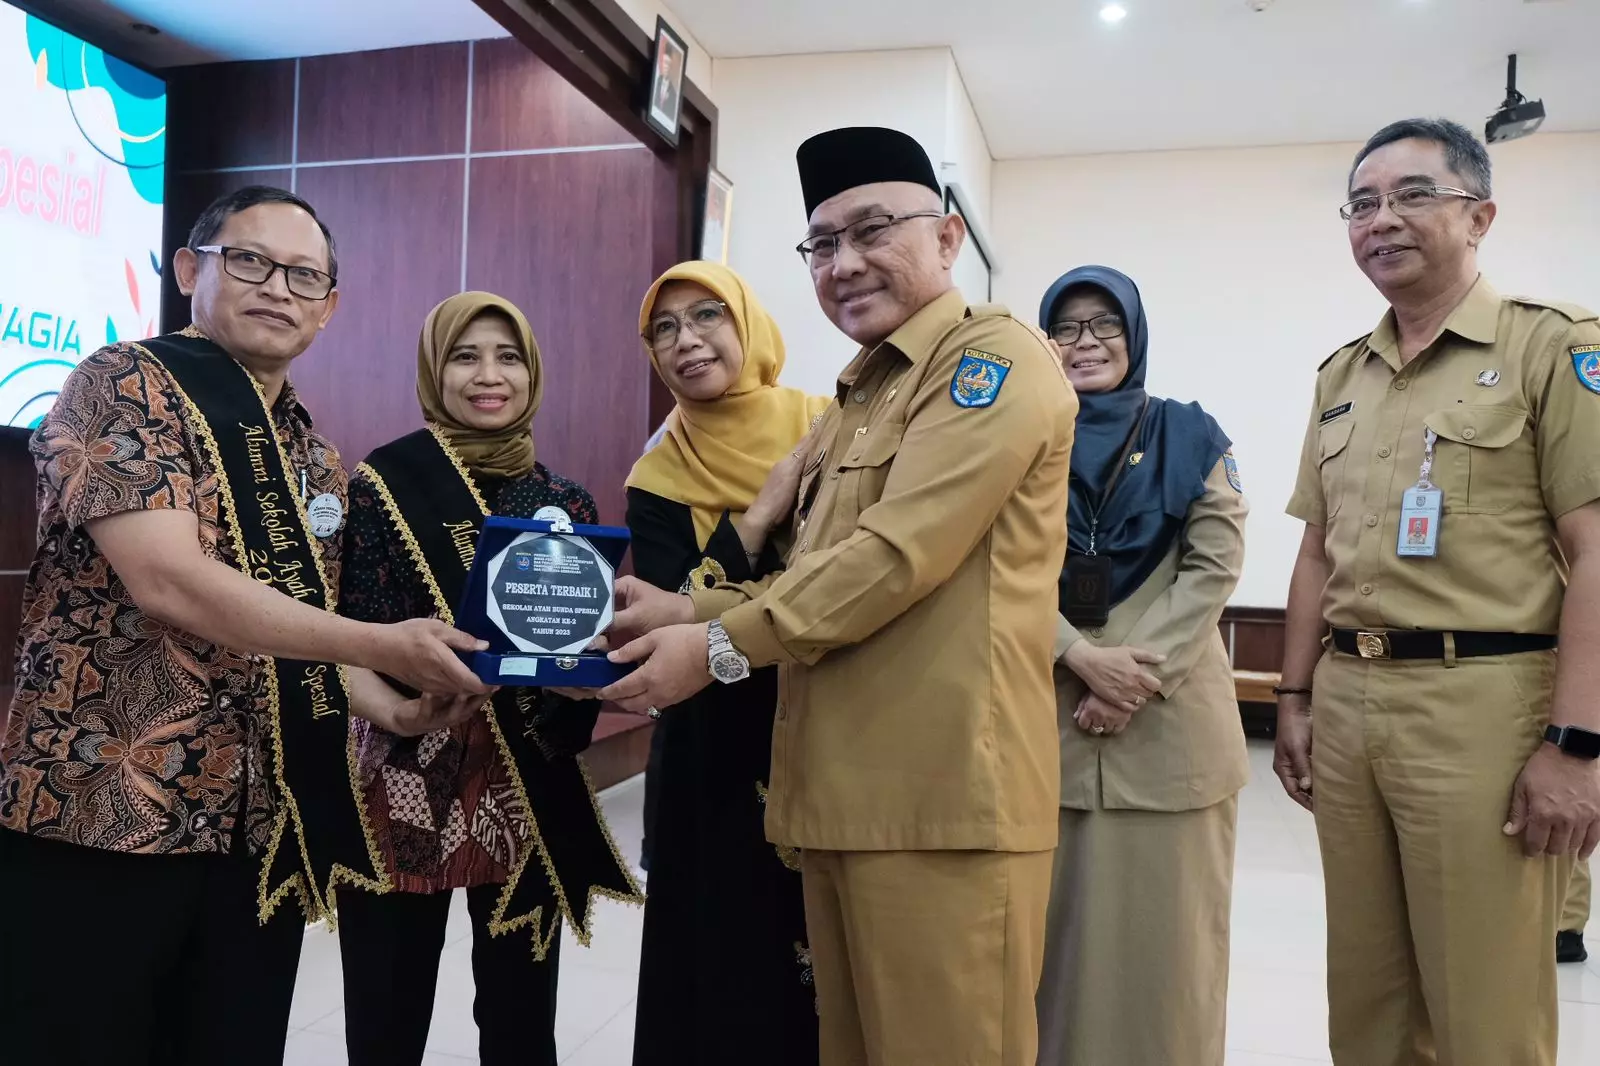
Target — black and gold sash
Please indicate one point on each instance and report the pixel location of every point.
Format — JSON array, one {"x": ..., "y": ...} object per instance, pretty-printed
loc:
[
  {"x": 430, "y": 499},
  {"x": 312, "y": 753}
]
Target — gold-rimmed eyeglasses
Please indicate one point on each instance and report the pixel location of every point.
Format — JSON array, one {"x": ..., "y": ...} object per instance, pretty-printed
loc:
[{"x": 704, "y": 318}]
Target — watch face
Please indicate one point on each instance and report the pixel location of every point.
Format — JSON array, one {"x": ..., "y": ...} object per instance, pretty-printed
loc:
[
  {"x": 1582, "y": 743},
  {"x": 730, "y": 667}
]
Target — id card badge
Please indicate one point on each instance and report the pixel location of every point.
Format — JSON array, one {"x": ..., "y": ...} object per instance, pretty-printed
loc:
[
  {"x": 1419, "y": 522},
  {"x": 1421, "y": 509},
  {"x": 1087, "y": 588}
]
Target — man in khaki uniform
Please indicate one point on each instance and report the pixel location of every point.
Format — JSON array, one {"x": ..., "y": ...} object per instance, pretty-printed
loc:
[
  {"x": 1448, "y": 816},
  {"x": 914, "y": 753}
]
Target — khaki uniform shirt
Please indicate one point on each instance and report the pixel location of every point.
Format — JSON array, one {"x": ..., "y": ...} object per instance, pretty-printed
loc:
[
  {"x": 1184, "y": 750},
  {"x": 1504, "y": 387},
  {"x": 913, "y": 624}
]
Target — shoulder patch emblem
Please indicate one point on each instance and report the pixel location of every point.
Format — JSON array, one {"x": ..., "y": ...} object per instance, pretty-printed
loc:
[
  {"x": 1230, "y": 465},
  {"x": 1586, "y": 362},
  {"x": 978, "y": 378}
]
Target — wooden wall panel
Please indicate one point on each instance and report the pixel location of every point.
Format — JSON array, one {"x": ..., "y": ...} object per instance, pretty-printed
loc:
[
  {"x": 519, "y": 103},
  {"x": 399, "y": 231},
  {"x": 536, "y": 233},
  {"x": 380, "y": 105},
  {"x": 230, "y": 115}
]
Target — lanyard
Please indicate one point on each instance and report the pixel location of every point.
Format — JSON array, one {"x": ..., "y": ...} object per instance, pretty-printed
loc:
[
  {"x": 1429, "y": 439},
  {"x": 1097, "y": 506}
]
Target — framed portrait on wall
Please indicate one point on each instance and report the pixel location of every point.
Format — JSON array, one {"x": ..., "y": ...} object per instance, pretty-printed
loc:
[
  {"x": 667, "y": 66},
  {"x": 719, "y": 218}
]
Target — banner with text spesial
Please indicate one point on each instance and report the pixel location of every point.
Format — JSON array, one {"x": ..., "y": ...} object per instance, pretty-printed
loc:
[{"x": 82, "y": 158}]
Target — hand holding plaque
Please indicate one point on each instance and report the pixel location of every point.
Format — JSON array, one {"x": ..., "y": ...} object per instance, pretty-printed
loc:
[{"x": 541, "y": 592}]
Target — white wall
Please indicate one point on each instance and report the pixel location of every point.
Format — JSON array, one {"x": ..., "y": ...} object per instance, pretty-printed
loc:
[
  {"x": 644, "y": 12},
  {"x": 768, "y": 106},
  {"x": 1249, "y": 284}
]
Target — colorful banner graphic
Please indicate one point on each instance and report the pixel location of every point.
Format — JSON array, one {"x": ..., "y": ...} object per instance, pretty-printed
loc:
[{"x": 82, "y": 168}]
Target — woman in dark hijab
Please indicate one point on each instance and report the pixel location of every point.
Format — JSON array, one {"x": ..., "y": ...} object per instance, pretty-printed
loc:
[{"x": 1152, "y": 751}]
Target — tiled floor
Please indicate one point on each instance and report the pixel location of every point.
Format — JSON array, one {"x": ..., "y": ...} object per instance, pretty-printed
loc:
[{"x": 1277, "y": 1014}]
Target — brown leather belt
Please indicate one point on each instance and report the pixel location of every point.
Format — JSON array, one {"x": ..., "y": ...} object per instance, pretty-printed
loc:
[{"x": 1428, "y": 644}]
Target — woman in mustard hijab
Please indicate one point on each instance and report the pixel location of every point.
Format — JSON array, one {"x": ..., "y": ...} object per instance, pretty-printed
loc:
[
  {"x": 498, "y": 805},
  {"x": 725, "y": 976}
]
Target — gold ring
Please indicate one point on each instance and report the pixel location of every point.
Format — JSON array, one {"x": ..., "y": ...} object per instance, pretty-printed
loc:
[{"x": 1098, "y": 730}]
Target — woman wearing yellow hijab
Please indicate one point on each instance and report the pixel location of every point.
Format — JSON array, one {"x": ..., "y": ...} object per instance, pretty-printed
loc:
[
  {"x": 497, "y": 805},
  {"x": 725, "y": 976}
]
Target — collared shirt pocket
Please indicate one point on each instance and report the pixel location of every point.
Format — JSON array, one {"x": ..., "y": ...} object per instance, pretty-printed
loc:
[
  {"x": 1484, "y": 461},
  {"x": 1333, "y": 446},
  {"x": 863, "y": 468}
]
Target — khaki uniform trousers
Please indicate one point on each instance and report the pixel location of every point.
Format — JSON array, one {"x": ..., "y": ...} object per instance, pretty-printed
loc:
[
  {"x": 926, "y": 958},
  {"x": 1136, "y": 958},
  {"x": 1575, "y": 915},
  {"x": 1440, "y": 931}
]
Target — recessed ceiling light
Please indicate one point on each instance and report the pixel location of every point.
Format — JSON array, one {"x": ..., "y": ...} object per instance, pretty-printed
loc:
[{"x": 1113, "y": 13}]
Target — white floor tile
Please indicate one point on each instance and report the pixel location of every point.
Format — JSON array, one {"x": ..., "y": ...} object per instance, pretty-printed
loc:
[{"x": 611, "y": 1046}]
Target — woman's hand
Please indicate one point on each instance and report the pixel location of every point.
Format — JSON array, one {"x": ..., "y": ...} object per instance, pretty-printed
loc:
[
  {"x": 772, "y": 505},
  {"x": 427, "y": 713},
  {"x": 1095, "y": 715},
  {"x": 1117, "y": 674}
]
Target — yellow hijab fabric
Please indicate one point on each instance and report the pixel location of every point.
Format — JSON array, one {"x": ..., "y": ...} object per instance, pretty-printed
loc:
[
  {"x": 507, "y": 452},
  {"x": 716, "y": 454}
]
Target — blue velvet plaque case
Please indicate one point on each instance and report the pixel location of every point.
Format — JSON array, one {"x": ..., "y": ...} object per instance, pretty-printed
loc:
[{"x": 538, "y": 594}]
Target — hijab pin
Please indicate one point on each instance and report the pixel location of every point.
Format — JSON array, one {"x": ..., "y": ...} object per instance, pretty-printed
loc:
[
  {"x": 1489, "y": 378},
  {"x": 1136, "y": 458}
]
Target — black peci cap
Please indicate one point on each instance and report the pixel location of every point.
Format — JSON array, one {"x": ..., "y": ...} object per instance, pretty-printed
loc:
[{"x": 843, "y": 159}]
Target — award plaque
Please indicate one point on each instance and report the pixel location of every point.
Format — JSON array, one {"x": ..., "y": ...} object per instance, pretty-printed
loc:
[{"x": 539, "y": 593}]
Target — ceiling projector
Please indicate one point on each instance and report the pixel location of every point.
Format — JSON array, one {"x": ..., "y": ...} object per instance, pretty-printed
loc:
[{"x": 1518, "y": 116}]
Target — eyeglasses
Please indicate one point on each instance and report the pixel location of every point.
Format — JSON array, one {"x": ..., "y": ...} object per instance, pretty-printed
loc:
[
  {"x": 1101, "y": 327},
  {"x": 1410, "y": 200},
  {"x": 256, "y": 268},
  {"x": 863, "y": 235},
  {"x": 703, "y": 319}
]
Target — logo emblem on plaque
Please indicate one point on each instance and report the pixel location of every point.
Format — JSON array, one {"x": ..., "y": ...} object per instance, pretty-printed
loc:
[{"x": 550, "y": 592}]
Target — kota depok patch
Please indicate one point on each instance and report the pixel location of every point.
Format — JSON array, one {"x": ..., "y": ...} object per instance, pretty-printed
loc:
[
  {"x": 1586, "y": 364},
  {"x": 978, "y": 378}
]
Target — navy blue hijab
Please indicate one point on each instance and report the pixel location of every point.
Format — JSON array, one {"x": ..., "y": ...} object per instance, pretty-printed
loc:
[{"x": 1180, "y": 442}]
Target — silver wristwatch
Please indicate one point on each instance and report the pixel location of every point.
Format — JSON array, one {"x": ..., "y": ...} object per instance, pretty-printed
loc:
[{"x": 727, "y": 665}]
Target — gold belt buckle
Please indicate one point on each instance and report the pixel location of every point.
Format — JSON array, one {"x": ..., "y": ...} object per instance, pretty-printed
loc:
[{"x": 1372, "y": 645}]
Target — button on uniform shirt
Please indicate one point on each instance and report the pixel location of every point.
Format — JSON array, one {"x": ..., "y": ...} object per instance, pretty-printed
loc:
[
  {"x": 914, "y": 624},
  {"x": 1514, "y": 397},
  {"x": 125, "y": 733}
]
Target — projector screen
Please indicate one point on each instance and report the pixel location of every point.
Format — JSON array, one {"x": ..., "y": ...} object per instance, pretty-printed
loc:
[{"x": 82, "y": 161}]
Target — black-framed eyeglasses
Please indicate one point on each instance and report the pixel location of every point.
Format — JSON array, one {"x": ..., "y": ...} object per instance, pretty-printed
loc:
[
  {"x": 255, "y": 268},
  {"x": 1101, "y": 327},
  {"x": 863, "y": 234},
  {"x": 1409, "y": 200},
  {"x": 703, "y": 318}
]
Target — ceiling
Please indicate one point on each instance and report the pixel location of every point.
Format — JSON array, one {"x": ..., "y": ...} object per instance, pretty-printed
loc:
[
  {"x": 199, "y": 31},
  {"x": 1047, "y": 77}
]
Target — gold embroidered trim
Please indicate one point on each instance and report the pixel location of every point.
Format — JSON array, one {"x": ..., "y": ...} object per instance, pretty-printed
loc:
[
  {"x": 789, "y": 856},
  {"x": 315, "y": 901}
]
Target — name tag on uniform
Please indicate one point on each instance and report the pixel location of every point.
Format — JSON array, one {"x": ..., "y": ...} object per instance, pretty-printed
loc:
[
  {"x": 1087, "y": 599},
  {"x": 1419, "y": 522}
]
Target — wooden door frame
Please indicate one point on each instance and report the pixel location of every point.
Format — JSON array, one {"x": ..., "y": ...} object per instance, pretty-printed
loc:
[{"x": 602, "y": 52}]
